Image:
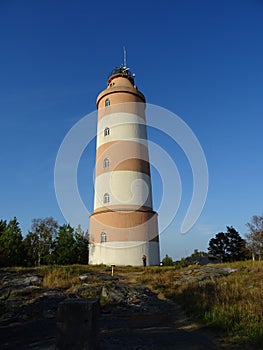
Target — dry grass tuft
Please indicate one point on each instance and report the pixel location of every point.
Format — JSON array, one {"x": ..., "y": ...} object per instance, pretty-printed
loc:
[{"x": 59, "y": 277}]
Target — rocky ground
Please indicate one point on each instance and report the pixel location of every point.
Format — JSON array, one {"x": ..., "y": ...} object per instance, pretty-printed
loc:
[{"x": 136, "y": 319}]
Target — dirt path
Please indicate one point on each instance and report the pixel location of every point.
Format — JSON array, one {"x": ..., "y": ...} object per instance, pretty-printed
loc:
[{"x": 152, "y": 324}]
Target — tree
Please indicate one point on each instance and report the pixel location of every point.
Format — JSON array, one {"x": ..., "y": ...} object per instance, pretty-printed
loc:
[
  {"x": 81, "y": 246},
  {"x": 218, "y": 246},
  {"x": 3, "y": 226},
  {"x": 31, "y": 244},
  {"x": 227, "y": 246},
  {"x": 255, "y": 236},
  {"x": 198, "y": 254},
  {"x": 236, "y": 245},
  {"x": 41, "y": 238},
  {"x": 49, "y": 243},
  {"x": 167, "y": 261},
  {"x": 64, "y": 246},
  {"x": 11, "y": 243}
]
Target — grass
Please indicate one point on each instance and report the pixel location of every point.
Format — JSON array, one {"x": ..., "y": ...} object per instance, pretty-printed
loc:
[
  {"x": 60, "y": 277},
  {"x": 233, "y": 304}
]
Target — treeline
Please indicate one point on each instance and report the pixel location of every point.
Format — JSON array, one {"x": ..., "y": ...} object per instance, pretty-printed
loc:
[
  {"x": 49, "y": 243},
  {"x": 46, "y": 243},
  {"x": 228, "y": 246}
]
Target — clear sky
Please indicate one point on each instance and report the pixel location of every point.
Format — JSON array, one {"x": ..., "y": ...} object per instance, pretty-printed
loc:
[{"x": 202, "y": 60}]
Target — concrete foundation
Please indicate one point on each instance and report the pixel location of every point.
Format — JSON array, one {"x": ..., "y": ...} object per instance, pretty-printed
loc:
[{"x": 78, "y": 325}]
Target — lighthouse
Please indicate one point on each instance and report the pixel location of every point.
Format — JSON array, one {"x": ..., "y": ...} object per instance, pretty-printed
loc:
[{"x": 123, "y": 226}]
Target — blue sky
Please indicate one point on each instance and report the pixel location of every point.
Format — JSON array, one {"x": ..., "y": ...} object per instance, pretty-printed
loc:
[{"x": 202, "y": 60}]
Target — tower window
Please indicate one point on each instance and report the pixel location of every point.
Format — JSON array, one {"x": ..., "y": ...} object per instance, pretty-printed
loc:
[
  {"x": 106, "y": 131},
  {"x": 106, "y": 163},
  {"x": 107, "y": 102},
  {"x": 103, "y": 237},
  {"x": 106, "y": 198}
]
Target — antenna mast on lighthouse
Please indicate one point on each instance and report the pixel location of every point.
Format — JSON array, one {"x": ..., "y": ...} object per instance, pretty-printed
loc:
[{"x": 124, "y": 57}]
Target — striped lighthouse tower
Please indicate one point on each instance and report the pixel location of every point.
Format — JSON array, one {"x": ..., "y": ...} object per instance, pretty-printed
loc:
[{"x": 123, "y": 227}]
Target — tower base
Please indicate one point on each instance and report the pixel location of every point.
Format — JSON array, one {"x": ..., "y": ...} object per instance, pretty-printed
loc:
[
  {"x": 123, "y": 237},
  {"x": 124, "y": 253}
]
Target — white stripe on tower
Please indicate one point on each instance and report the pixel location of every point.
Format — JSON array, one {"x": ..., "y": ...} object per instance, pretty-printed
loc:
[{"x": 127, "y": 187}]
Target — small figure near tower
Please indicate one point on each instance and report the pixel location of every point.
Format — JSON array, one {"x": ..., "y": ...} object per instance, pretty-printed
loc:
[
  {"x": 123, "y": 226},
  {"x": 144, "y": 260}
]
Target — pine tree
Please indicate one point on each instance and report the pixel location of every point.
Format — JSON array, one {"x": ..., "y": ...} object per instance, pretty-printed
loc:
[
  {"x": 64, "y": 246},
  {"x": 3, "y": 226},
  {"x": 167, "y": 261},
  {"x": 81, "y": 246},
  {"x": 227, "y": 246},
  {"x": 11, "y": 243}
]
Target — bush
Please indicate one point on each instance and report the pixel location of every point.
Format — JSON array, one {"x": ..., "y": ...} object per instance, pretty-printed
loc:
[{"x": 167, "y": 261}]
